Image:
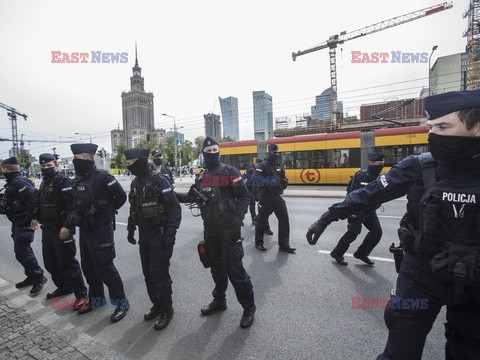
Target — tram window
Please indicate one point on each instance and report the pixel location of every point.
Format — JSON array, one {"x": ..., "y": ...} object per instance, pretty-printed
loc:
[
  {"x": 318, "y": 159},
  {"x": 287, "y": 160},
  {"x": 243, "y": 161},
  {"x": 303, "y": 159},
  {"x": 227, "y": 159},
  {"x": 354, "y": 160},
  {"x": 333, "y": 158},
  {"x": 418, "y": 149},
  {"x": 394, "y": 154}
]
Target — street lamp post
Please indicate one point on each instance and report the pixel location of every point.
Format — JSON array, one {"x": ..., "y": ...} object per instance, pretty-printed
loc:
[
  {"x": 174, "y": 138},
  {"x": 77, "y": 133},
  {"x": 429, "y": 70}
]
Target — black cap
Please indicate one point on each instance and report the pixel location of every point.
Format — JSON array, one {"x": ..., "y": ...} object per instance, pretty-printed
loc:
[
  {"x": 272, "y": 147},
  {"x": 45, "y": 158},
  {"x": 157, "y": 152},
  {"x": 374, "y": 156},
  {"x": 442, "y": 104},
  {"x": 10, "y": 161},
  {"x": 208, "y": 142},
  {"x": 84, "y": 148},
  {"x": 136, "y": 153}
]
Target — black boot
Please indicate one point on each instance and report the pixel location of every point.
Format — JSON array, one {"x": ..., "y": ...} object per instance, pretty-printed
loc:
[
  {"x": 364, "y": 258},
  {"x": 339, "y": 259},
  {"x": 247, "y": 317},
  {"x": 27, "y": 282},
  {"x": 218, "y": 304},
  {"x": 120, "y": 312},
  {"x": 152, "y": 313},
  {"x": 38, "y": 285},
  {"x": 59, "y": 292},
  {"x": 164, "y": 320}
]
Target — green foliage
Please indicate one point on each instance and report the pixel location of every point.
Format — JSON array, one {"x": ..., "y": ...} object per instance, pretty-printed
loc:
[
  {"x": 119, "y": 160},
  {"x": 24, "y": 159},
  {"x": 198, "y": 146}
]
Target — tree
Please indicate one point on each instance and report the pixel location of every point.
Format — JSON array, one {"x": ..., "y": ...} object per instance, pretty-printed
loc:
[
  {"x": 24, "y": 159},
  {"x": 150, "y": 145},
  {"x": 198, "y": 146},
  {"x": 119, "y": 159},
  {"x": 187, "y": 152}
]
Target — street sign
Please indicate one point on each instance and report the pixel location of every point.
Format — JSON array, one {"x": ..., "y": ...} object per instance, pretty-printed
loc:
[{"x": 179, "y": 142}]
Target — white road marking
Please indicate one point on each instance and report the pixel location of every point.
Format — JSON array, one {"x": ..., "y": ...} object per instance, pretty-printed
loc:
[
  {"x": 351, "y": 255},
  {"x": 120, "y": 223},
  {"x": 390, "y": 217}
]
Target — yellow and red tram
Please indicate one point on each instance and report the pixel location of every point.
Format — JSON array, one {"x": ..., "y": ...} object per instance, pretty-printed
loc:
[{"x": 329, "y": 158}]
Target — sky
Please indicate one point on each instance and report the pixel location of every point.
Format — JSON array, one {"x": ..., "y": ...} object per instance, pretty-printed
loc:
[{"x": 191, "y": 52}]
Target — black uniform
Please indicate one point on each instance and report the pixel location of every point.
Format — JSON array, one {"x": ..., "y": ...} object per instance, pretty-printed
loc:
[
  {"x": 248, "y": 177},
  {"x": 225, "y": 209},
  {"x": 19, "y": 193},
  {"x": 440, "y": 235},
  {"x": 154, "y": 208},
  {"x": 368, "y": 218},
  {"x": 269, "y": 181},
  {"x": 97, "y": 196},
  {"x": 53, "y": 202}
]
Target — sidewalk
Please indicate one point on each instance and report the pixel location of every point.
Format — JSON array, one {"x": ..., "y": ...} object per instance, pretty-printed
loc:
[
  {"x": 330, "y": 191},
  {"x": 30, "y": 330}
]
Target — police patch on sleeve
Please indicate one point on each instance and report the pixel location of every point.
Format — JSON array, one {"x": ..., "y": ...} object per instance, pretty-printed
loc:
[
  {"x": 112, "y": 182},
  {"x": 383, "y": 180}
]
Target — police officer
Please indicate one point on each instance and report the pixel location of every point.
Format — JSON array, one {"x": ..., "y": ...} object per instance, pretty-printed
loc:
[
  {"x": 248, "y": 175},
  {"x": 369, "y": 218},
  {"x": 157, "y": 159},
  {"x": 97, "y": 195},
  {"x": 223, "y": 202},
  {"x": 269, "y": 181},
  {"x": 53, "y": 201},
  {"x": 154, "y": 208},
  {"x": 439, "y": 233},
  {"x": 19, "y": 193}
]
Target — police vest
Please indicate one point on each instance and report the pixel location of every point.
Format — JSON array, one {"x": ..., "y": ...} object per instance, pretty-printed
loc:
[
  {"x": 449, "y": 226},
  {"x": 16, "y": 208},
  {"x": 50, "y": 202},
  {"x": 216, "y": 202},
  {"x": 149, "y": 208},
  {"x": 277, "y": 179}
]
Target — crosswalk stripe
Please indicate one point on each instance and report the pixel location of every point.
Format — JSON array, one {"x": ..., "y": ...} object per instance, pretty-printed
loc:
[{"x": 351, "y": 255}]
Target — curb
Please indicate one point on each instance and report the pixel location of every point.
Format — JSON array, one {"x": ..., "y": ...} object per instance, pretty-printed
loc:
[{"x": 88, "y": 346}]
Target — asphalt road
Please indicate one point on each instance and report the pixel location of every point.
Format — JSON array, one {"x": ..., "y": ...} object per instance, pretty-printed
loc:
[{"x": 304, "y": 301}]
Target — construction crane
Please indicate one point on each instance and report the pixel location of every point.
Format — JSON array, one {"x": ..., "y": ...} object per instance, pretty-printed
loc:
[
  {"x": 12, "y": 114},
  {"x": 473, "y": 43},
  {"x": 338, "y": 39}
]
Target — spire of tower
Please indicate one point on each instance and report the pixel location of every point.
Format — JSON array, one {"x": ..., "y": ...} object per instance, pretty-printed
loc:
[{"x": 136, "y": 58}]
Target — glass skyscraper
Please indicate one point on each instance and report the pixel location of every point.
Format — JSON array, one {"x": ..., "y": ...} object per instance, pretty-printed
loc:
[
  {"x": 262, "y": 115},
  {"x": 229, "y": 107}
]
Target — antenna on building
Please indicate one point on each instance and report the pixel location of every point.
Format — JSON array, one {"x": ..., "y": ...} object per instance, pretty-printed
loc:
[{"x": 136, "y": 58}]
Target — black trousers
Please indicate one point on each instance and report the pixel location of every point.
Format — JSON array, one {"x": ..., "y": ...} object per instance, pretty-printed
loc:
[
  {"x": 371, "y": 240},
  {"x": 22, "y": 238},
  {"x": 408, "y": 328},
  {"x": 97, "y": 251},
  {"x": 60, "y": 262},
  {"x": 226, "y": 255},
  {"x": 266, "y": 206},
  {"x": 155, "y": 258}
]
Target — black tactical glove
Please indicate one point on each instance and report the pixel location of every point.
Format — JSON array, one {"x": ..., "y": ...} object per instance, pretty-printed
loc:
[
  {"x": 131, "y": 237},
  {"x": 316, "y": 229},
  {"x": 169, "y": 237},
  {"x": 235, "y": 232}
]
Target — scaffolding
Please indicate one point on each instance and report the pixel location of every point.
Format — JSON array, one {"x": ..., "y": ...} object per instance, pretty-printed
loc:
[{"x": 472, "y": 33}]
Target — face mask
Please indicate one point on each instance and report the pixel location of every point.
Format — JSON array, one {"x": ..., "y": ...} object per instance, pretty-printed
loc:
[
  {"x": 212, "y": 160},
  {"x": 139, "y": 167},
  {"x": 158, "y": 162},
  {"x": 48, "y": 172},
  {"x": 11, "y": 175},
  {"x": 374, "y": 169},
  {"x": 272, "y": 158},
  {"x": 82, "y": 167},
  {"x": 453, "y": 148}
]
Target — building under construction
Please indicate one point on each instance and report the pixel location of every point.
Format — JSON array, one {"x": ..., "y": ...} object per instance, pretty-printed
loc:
[{"x": 472, "y": 33}]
